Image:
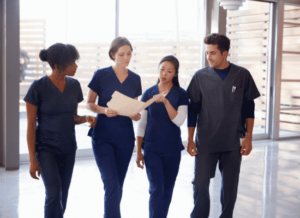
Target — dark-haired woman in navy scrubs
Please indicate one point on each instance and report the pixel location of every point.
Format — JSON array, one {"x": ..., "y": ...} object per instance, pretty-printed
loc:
[
  {"x": 51, "y": 105},
  {"x": 113, "y": 137},
  {"x": 159, "y": 136}
]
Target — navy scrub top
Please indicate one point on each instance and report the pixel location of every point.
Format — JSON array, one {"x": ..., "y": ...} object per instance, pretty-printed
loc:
[
  {"x": 55, "y": 130},
  {"x": 119, "y": 129},
  {"x": 162, "y": 135},
  {"x": 219, "y": 118}
]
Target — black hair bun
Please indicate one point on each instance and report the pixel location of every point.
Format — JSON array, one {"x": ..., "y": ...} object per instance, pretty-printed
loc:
[{"x": 43, "y": 55}]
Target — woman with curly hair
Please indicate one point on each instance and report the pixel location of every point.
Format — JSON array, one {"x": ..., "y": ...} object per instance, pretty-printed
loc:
[{"x": 51, "y": 105}]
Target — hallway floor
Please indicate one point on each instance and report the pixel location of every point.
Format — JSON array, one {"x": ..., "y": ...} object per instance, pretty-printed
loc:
[{"x": 269, "y": 187}]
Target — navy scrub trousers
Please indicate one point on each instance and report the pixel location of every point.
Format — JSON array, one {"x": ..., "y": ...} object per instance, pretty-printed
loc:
[
  {"x": 205, "y": 166},
  {"x": 113, "y": 137},
  {"x": 112, "y": 162},
  {"x": 55, "y": 138},
  {"x": 162, "y": 170},
  {"x": 56, "y": 171},
  {"x": 162, "y": 147}
]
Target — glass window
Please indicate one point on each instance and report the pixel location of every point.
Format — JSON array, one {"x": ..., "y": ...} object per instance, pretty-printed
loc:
[
  {"x": 290, "y": 77},
  {"x": 247, "y": 29}
]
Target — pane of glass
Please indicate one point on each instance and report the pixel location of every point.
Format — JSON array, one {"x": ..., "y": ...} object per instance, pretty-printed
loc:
[
  {"x": 248, "y": 30},
  {"x": 290, "y": 79},
  {"x": 157, "y": 21},
  {"x": 160, "y": 28},
  {"x": 90, "y": 27}
]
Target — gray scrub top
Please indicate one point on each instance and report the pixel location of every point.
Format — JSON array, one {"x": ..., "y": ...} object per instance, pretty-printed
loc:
[{"x": 219, "y": 118}]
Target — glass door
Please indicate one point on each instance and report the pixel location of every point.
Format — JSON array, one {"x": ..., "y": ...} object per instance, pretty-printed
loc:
[
  {"x": 248, "y": 30},
  {"x": 290, "y": 77}
]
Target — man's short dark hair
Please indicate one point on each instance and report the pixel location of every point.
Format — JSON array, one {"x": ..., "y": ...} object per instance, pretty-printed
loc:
[{"x": 217, "y": 39}]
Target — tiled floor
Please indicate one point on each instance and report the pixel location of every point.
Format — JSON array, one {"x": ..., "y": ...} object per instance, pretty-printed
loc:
[{"x": 269, "y": 187}]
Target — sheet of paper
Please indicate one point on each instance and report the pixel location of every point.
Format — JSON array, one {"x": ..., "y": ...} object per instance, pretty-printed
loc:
[
  {"x": 152, "y": 100},
  {"x": 127, "y": 106}
]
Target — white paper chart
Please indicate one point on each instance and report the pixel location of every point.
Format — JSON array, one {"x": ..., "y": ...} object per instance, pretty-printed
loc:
[{"x": 127, "y": 106}]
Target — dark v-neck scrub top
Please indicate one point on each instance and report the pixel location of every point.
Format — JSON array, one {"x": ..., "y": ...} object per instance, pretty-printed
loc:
[
  {"x": 119, "y": 129},
  {"x": 162, "y": 135},
  {"x": 55, "y": 130},
  {"x": 219, "y": 118}
]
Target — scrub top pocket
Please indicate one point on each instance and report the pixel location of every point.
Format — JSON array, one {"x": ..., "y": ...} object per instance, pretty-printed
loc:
[{"x": 237, "y": 95}]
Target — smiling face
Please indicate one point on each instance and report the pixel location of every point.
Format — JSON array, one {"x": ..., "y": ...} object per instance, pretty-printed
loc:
[
  {"x": 166, "y": 72},
  {"x": 215, "y": 58},
  {"x": 122, "y": 56}
]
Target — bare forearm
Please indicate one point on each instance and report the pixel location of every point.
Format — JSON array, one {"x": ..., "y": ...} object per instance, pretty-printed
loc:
[
  {"x": 139, "y": 142},
  {"x": 31, "y": 138},
  {"x": 171, "y": 111},
  {"x": 250, "y": 125},
  {"x": 79, "y": 119},
  {"x": 246, "y": 146},
  {"x": 95, "y": 108},
  {"x": 191, "y": 133},
  {"x": 191, "y": 146}
]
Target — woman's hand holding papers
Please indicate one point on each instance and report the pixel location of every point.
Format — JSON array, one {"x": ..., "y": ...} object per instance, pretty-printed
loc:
[
  {"x": 162, "y": 99},
  {"x": 110, "y": 112},
  {"x": 170, "y": 109},
  {"x": 136, "y": 117}
]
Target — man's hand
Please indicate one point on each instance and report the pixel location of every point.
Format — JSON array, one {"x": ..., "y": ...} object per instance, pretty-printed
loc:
[
  {"x": 191, "y": 148},
  {"x": 246, "y": 146}
]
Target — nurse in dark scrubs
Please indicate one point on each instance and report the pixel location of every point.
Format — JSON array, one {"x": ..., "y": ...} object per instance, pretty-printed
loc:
[
  {"x": 113, "y": 137},
  {"x": 160, "y": 136},
  {"x": 221, "y": 106},
  {"x": 51, "y": 105}
]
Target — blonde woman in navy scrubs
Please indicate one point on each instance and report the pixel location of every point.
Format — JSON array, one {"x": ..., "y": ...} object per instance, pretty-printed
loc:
[
  {"x": 113, "y": 137},
  {"x": 159, "y": 136},
  {"x": 51, "y": 105}
]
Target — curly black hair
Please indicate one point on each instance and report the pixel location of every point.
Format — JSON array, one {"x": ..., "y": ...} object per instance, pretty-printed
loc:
[
  {"x": 222, "y": 41},
  {"x": 60, "y": 55}
]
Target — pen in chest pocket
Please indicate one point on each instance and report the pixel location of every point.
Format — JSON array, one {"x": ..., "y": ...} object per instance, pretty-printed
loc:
[{"x": 233, "y": 88}]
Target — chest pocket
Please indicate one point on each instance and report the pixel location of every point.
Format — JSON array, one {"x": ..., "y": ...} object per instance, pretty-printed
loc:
[{"x": 237, "y": 95}]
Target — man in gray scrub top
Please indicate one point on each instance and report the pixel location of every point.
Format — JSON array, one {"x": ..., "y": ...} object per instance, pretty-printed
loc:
[{"x": 221, "y": 105}]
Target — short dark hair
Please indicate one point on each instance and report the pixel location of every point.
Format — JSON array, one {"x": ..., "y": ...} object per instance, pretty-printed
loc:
[
  {"x": 217, "y": 39},
  {"x": 116, "y": 44},
  {"x": 59, "y": 54},
  {"x": 175, "y": 62}
]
